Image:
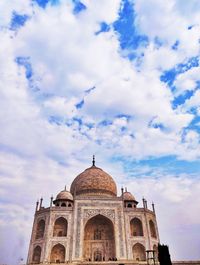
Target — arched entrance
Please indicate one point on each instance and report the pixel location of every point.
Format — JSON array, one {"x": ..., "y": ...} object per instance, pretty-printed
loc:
[
  {"x": 99, "y": 239},
  {"x": 40, "y": 229},
  {"x": 58, "y": 254},
  {"x": 36, "y": 254},
  {"x": 152, "y": 228},
  {"x": 139, "y": 252}
]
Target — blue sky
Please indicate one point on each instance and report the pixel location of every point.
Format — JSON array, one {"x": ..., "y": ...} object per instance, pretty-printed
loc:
[{"x": 118, "y": 79}]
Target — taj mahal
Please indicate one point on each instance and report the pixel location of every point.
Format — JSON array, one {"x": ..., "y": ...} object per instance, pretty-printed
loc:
[{"x": 92, "y": 224}]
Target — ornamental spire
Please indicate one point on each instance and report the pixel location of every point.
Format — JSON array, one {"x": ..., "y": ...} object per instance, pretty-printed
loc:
[{"x": 93, "y": 161}]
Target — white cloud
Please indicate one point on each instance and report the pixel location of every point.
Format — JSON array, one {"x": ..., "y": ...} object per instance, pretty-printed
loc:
[
  {"x": 66, "y": 73},
  {"x": 156, "y": 58},
  {"x": 193, "y": 102},
  {"x": 167, "y": 23},
  {"x": 187, "y": 80},
  {"x": 177, "y": 207},
  {"x": 101, "y": 10},
  {"x": 19, "y": 6},
  {"x": 189, "y": 10}
]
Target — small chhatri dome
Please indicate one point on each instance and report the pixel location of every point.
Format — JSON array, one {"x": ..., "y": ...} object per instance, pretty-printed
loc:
[
  {"x": 128, "y": 196},
  {"x": 64, "y": 195},
  {"x": 94, "y": 182}
]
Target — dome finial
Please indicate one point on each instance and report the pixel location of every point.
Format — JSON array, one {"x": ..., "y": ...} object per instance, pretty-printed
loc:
[
  {"x": 93, "y": 161},
  {"x": 65, "y": 188}
]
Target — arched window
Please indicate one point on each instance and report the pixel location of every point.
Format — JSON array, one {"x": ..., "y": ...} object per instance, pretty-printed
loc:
[
  {"x": 58, "y": 254},
  {"x": 60, "y": 227},
  {"x": 63, "y": 204},
  {"x": 36, "y": 254},
  {"x": 139, "y": 253},
  {"x": 152, "y": 228},
  {"x": 136, "y": 227},
  {"x": 40, "y": 229},
  {"x": 129, "y": 205},
  {"x": 69, "y": 205}
]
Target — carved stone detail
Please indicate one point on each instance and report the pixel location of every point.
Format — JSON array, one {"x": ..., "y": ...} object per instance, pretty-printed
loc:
[{"x": 89, "y": 213}]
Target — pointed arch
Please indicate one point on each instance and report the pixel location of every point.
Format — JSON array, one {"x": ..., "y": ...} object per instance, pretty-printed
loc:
[
  {"x": 36, "y": 254},
  {"x": 60, "y": 227},
  {"x": 152, "y": 229},
  {"x": 139, "y": 252},
  {"x": 136, "y": 227},
  {"x": 40, "y": 229},
  {"x": 58, "y": 254},
  {"x": 99, "y": 239}
]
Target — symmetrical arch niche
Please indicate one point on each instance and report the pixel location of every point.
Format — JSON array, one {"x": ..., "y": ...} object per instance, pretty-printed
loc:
[
  {"x": 99, "y": 239},
  {"x": 136, "y": 227},
  {"x": 139, "y": 252},
  {"x": 152, "y": 228},
  {"x": 40, "y": 229},
  {"x": 58, "y": 254},
  {"x": 60, "y": 227},
  {"x": 36, "y": 254}
]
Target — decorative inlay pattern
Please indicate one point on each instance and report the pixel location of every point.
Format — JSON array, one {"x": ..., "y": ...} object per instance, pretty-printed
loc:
[{"x": 88, "y": 213}]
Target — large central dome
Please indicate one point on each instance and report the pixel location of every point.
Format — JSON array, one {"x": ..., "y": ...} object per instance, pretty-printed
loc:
[{"x": 94, "y": 182}]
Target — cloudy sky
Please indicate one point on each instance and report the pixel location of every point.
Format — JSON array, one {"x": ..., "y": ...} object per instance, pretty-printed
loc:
[{"x": 118, "y": 79}]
